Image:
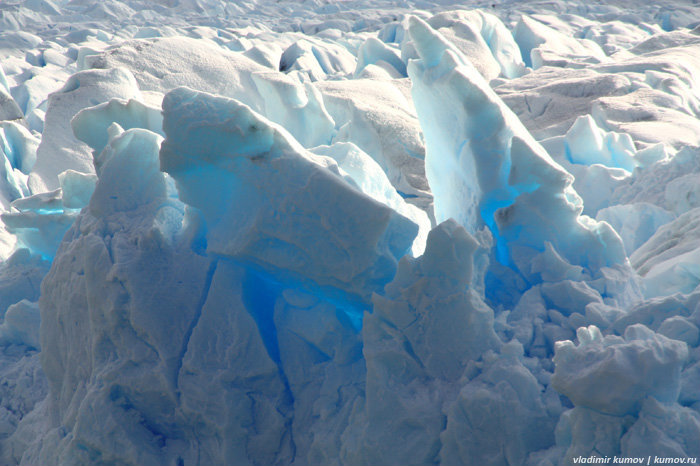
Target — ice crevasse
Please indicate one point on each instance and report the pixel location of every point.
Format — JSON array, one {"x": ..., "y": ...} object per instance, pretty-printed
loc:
[{"x": 227, "y": 295}]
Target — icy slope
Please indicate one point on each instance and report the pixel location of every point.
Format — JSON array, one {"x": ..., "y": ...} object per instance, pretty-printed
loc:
[
  {"x": 485, "y": 169},
  {"x": 348, "y": 233}
]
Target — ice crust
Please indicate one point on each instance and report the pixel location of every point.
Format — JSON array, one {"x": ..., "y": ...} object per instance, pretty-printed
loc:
[{"x": 343, "y": 233}]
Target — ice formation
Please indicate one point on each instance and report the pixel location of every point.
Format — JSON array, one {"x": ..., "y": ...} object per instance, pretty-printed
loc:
[
  {"x": 485, "y": 169},
  {"x": 349, "y": 233}
]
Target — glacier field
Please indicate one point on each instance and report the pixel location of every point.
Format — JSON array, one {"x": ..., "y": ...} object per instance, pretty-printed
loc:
[{"x": 349, "y": 232}]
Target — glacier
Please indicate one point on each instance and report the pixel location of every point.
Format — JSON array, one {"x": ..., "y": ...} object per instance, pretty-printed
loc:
[{"x": 416, "y": 232}]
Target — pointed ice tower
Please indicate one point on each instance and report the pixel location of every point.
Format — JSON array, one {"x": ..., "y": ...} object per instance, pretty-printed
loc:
[{"x": 485, "y": 169}]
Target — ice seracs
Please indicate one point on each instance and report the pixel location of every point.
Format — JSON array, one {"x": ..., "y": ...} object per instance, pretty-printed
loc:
[
  {"x": 483, "y": 38},
  {"x": 630, "y": 410},
  {"x": 647, "y": 364},
  {"x": 59, "y": 150},
  {"x": 542, "y": 45},
  {"x": 667, "y": 261},
  {"x": 161, "y": 64},
  {"x": 414, "y": 333},
  {"x": 586, "y": 144},
  {"x": 274, "y": 198},
  {"x": 379, "y": 118},
  {"x": 91, "y": 124},
  {"x": 353, "y": 237},
  {"x": 372, "y": 180},
  {"x": 485, "y": 169}
]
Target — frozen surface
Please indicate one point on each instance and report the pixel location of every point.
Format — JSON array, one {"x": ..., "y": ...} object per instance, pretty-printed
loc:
[
  {"x": 667, "y": 260},
  {"x": 380, "y": 119},
  {"x": 265, "y": 199},
  {"x": 349, "y": 232},
  {"x": 485, "y": 169},
  {"x": 645, "y": 363}
]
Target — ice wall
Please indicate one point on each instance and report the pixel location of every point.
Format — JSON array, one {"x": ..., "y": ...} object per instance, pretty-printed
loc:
[
  {"x": 267, "y": 200},
  {"x": 248, "y": 274},
  {"x": 234, "y": 339},
  {"x": 59, "y": 149},
  {"x": 485, "y": 169}
]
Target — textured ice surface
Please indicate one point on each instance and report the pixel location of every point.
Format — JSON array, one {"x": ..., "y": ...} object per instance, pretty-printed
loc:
[
  {"x": 316, "y": 61},
  {"x": 485, "y": 169},
  {"x": 371, "y": 180},
  {"x": 59, "y": 149},
  {"x": 164, "y": 63},
  {"x": 586, "y": 144},
  {"x": 667, "y": 261},
  {"x": 40, "y": 221},
  {"x": 348, "y": 233},
  {"x": 267, "y": 200},
  {"x": 643, "y": 363},
  {"x": 542, "y": 45},
  {"x": 484, "y": 39},
  {"x": 376, "y": 52},
  {"x": 18, "y": 148},
  {"x": 635, "y": 223},
  {"x": 379, "y": 118}
]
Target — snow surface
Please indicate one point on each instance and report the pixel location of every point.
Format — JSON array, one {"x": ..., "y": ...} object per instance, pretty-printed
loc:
[{"x": 342, "y": 232}]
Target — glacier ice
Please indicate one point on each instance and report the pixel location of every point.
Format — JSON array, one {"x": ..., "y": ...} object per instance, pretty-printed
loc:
[
  {"x": 116, "y": 266},
  {"x": 463, "y": 31},
  {"x": 9, "y": 110},
  {"x": 635, "y": 223},
  {"x": 644, "y": 363},
  {"x": 325, "y": 232},
  {"x": 59, "y": 150},
  {"x": 583, "y": 432},
  {"x": 18, "y": 148},
  {"x": 3, "y": 80},
  {"x": 21, "y": 325},
  {"x": 627, "y": 417},
  {"x": 91, "y": 124},
  {"x": 372, "y": 180},
  {"x": 314, "y": 62},
  {"x": 549, "y": 99},
  {"x": 484, "y": 39},
  {"x": 217, "y": 148},
  {"x": 667, "y": 260},
  {"x": 164, "y": 63},
  {"x": 484, "y": 168},
  {"x": 542, "y": 45},
  {"x": 423, "y": 337},
  {"x": 379, "y": 118},
  {"x": 39, "y": 221},
  {"x": 492, "y": 395},
  {"x": 21, "y": 275},
  {"x": 587, "y": 144},
  {"x": 375, "y": 52}
]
